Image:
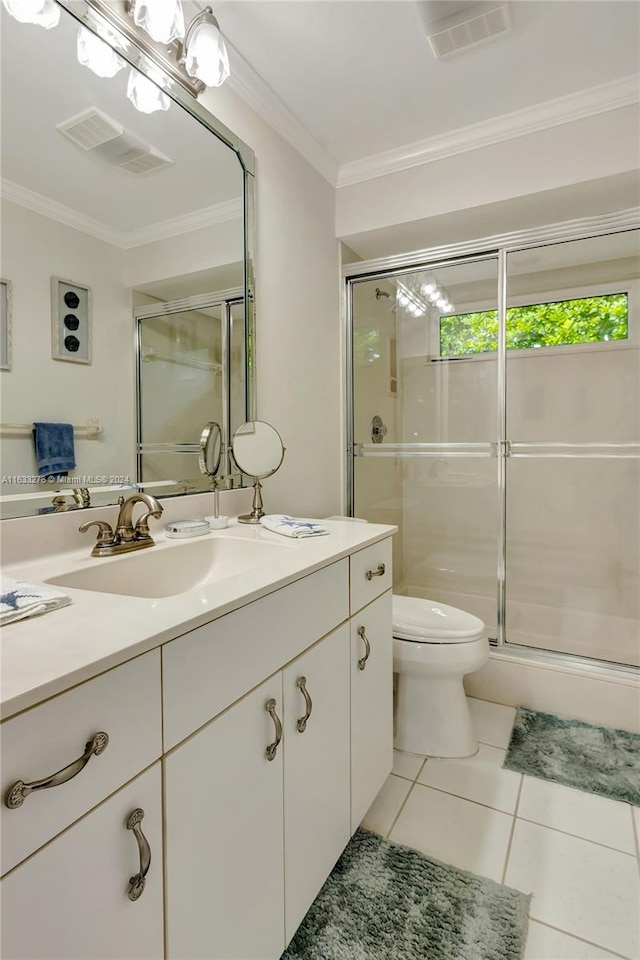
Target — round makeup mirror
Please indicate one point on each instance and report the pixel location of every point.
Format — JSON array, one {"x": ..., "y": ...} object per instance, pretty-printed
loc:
[
  {"x": 258, "y": 452},
  {"x": 210, "y": 449}
]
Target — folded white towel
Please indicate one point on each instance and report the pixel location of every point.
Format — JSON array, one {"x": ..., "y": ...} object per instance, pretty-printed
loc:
[
  {"x": 293, "y": 526},
  {"x": 19, "y": 600}
]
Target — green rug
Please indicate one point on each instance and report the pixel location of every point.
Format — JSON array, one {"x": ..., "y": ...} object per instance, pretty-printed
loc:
[
  {"x": 387, "y": 902},
  {"x": 577, "y": 754}
]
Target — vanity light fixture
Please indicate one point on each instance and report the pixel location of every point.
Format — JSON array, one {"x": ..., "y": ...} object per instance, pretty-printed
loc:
[
  {"x": 145, "y": 95},
  {"x": 195, "y": 57},
  {"x": 44, "y": 13},
  {"x": 98, "y": 55},
  {"x": 205, "y": 53},
  {"x": 162, "y": 19}
]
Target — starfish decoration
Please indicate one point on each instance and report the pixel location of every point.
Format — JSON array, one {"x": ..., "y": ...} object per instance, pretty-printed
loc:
[{"x": 11, "y": 598}]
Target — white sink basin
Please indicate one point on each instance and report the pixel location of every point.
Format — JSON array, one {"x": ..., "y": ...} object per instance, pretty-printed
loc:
[{"x": 170, "y": 570}]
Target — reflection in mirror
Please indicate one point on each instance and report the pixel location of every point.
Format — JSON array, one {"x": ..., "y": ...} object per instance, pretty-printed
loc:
[
  {"x": 258, "y": 451},
  {"x": 210, "y": 449},
  {"x": 132, "y": 212}
]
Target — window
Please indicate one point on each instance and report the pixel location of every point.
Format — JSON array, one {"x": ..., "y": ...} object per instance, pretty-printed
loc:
[{"x": 583, "y": 320}]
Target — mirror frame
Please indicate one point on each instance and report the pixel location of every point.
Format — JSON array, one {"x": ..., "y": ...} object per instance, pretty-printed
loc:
[{"x": 86, "y": 15}]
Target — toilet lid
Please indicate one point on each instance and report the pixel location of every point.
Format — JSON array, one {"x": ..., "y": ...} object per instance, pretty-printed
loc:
[{"x": 426, "y": 620}]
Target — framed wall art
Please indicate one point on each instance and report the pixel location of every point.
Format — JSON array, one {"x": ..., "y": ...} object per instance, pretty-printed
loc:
[
  {"x": 5, "y": 325},
  {"x": 70, "y": 321}
]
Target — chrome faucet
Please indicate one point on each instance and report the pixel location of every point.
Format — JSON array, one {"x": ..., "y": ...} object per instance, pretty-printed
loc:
[{"x": 126, "y": 537}]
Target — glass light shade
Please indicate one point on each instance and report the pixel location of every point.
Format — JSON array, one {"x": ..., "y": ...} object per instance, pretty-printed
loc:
[
  {"x": 98, "y": 55},
  {"x": 162, "y": 19},
  {"x": 145, "y": 95},
  {"x": 206, "y": 55},
  {"x": 45, "y": 13}
]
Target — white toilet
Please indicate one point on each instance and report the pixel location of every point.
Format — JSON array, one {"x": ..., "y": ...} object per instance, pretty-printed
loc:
[{"x": 434, "y": 647}]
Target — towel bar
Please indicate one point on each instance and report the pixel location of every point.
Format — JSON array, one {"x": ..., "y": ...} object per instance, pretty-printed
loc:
[{"x": 91, "y": 430}]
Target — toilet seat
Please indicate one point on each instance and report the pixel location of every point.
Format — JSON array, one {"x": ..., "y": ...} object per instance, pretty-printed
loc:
[{"x": 425, "y": 621}]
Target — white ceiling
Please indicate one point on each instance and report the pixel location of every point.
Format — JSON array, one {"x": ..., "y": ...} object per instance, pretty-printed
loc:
[
  {"x": 43, "y": 84},
  {"x": 360, "y": 77}
]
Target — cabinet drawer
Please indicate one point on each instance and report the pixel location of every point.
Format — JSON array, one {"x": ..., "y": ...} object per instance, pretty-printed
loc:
[
  {"x": 370, "y": 561},
  {"x": 210, "y": 668},
  {"x": 125, "y": 704}
]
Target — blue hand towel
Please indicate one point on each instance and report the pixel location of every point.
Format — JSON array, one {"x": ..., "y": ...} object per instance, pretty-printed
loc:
[{"x": 54, "y": 448}]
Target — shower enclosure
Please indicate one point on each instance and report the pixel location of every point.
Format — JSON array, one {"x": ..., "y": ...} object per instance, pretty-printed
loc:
[{"x": 494, "y": 416}]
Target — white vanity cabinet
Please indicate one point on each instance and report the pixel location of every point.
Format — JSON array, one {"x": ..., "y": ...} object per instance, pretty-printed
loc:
[
  {"x": 274, "y": 724},
  {"x": 235, "y": 865},
  {"x": 71, "y": 899}
]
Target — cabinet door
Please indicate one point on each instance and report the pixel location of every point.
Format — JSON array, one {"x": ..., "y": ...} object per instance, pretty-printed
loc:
[
  {"x": 371, "y": 704},
  {"x": 224, "y": 837},
  {"x": 71, "y": 899},
  {"x": 316, "y": 770}
]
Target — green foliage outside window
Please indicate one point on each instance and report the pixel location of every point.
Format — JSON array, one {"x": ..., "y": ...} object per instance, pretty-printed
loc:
[{"x": 587, "y": 320}]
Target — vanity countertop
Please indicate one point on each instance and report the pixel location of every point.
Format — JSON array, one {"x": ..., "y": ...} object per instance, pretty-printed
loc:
[{"x": 45, "y": 655}]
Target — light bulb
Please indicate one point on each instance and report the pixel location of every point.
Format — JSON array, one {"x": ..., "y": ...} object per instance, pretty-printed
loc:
[
  {"x": 98, "y": 55},
  {"x": 434, "y": 296},
  {"x": 441, "y": 303},
  {"x": 162, "y": 19},
  {"x": 145, "y": 95},
  {"x": 206, "y": 54},
  {"x": 428, "y": 288},
  {"x": 45, "y": 13}
]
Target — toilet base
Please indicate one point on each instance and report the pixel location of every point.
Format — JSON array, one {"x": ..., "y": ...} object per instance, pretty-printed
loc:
[{"x": 433, "y": 717}]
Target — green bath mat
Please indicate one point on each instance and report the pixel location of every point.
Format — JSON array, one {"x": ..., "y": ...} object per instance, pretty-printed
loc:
[
  {"x": 577, "y": 754},
  {"x": 387, "y": 902}
]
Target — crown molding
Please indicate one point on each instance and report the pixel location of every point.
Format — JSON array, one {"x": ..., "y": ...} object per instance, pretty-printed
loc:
[
  {"x": 58, "y": 211},
  {"x": 251, "y": 87},
  {"x": 623, "y": 92},
  {"x": 125, "y": 240},
  {"x": 197, "y": 220}
]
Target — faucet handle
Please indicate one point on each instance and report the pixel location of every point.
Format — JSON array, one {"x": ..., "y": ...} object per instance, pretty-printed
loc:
[
  {"x": 142, "y": 526},
  {"x": 105, "y": 534}
]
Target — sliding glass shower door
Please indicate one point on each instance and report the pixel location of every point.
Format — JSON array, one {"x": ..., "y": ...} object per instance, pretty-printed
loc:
[
  {"x": 495, "y": 419},
  {"x": 573, "y": 466},
  {"x": 426, "y": 431}
]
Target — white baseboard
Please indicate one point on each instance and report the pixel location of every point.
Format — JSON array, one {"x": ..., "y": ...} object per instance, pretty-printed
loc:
[{"x": 594, "y": 695}]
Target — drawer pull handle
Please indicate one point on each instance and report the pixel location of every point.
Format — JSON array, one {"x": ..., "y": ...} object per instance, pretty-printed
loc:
[
  {"x": 367, "y": 649},
  {"x": 136, "y": 883},
  {"x": 370, "y": 574},
  {"x": 301, "y": 684},
  {"x": 272, "y": 747},
  {"x": 18, "y": 793}
]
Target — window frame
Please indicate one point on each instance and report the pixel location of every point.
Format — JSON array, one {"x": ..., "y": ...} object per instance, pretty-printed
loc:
[{"x": 632, "y": 341}]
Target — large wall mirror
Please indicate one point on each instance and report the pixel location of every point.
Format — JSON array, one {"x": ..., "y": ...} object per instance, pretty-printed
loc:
[{"x": 126, "y": 273}]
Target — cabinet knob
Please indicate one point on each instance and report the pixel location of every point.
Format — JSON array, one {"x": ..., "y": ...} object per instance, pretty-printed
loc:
[
  {"x": 301, "y": 684},
  {"x": 370, "y": 574},
  {"x": 272, "y": 747},
  {"x": 18, "y": 793},
  {"x": 137, "y": 882},
  {"x": 362, "y": 662}
]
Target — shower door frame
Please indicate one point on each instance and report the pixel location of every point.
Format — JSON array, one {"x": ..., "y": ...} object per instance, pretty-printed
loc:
[{"x": 488, "y": 248}]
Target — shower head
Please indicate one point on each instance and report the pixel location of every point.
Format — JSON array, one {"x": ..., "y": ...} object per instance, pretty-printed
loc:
[{"x": 382, "y": 293}]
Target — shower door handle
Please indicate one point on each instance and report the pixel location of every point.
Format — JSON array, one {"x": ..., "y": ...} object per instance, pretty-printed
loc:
[{"x": 378, "y": 429}]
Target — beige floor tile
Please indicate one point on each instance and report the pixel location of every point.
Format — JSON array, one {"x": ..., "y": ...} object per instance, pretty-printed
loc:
[
  {"x": 455, "y": 831},
  {"x": 493, "y": 722},
  {"x": 543, "y": 943},
  {"x": 480, "y": 778},
  {"x": 384, "y": 809},
  {"x": 407, "y": 765},
  {"x": 574, "y": 811},
  {"x": 580, "y": 887}
]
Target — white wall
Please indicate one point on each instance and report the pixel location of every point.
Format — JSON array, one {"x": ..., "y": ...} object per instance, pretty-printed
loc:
[
  {"x": 34, "y": 249},
  {"x": 597, "y": 147},
  {"x": 299, "y": 335}
]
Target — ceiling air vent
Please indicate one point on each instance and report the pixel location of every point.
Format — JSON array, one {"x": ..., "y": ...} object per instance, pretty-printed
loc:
[
  {"x": 137, "y": 161},
  {"x": 90, "y": 129},
  {"x": 451, "y": 27}
]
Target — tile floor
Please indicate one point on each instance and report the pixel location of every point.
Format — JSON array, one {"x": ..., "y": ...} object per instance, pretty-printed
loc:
[{"x": 577, "y": 853}]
